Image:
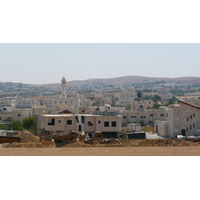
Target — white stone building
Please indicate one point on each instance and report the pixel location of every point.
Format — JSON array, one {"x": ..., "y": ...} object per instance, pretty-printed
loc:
[
  {"x": 62, "y": 123},
  {"x": 182, "y": 119}
]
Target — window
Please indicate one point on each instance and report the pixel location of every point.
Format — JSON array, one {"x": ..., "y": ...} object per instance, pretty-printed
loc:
[
  {"x": 99, "y": 122},
  {"x": 114, "y": 124},
  {"x": 69, "y": 122},
  {"x": 134, "y": 116},
  {"x": 19, "y": 115},
  {"x": 190, "y": 127},
  {"x": 193, "y": 125},
  {"x": 131, "y": 116},
  {"x": 187, "y": 119},
  {"x": 187, "y": 129},
  {"x": 151, "y": 115},
  {"x": 142, "y": 117},
  {"x": 106, "y": 124},
  {"x": 193, "y": 115},
  {"x": 124, "y": 117},
  {"x": 52, "y": 122},
  {"x": 90, "y": 123},
  {"x": 162, "y": 115},
  {"x": 59, "y": 121},
  {"x": 166, "y": 114}
]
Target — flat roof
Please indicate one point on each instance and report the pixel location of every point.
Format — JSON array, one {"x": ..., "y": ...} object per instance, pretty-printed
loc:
[{"x": 72, "y": 115}]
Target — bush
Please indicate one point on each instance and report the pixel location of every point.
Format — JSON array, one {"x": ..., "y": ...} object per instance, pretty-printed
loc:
[
  {"x": 4, "y": 127},
  {"x": 28, "y": 123}
]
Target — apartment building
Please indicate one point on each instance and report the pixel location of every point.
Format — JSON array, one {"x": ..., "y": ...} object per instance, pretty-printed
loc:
[
  {"x": 182, "y": 119},
  {"x": 62, "y": 123},
  {"x": 21, "y": 113},
  {"x": 143, "y": 103},
  {"x": 145, "y": 116},
  {"x": 26, "y": 103}
]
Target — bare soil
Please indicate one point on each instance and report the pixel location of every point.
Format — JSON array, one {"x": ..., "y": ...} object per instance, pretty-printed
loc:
[{"x": 104, "y": 151}]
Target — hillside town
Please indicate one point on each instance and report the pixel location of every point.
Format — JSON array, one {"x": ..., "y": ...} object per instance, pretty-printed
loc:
[{"x": 117, "y": 113}]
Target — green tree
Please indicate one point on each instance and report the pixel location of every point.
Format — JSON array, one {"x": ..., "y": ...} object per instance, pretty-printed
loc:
[
  {"x": 8, "y": 122},
  {"x": 172, "y": 100},
  {"x": 139, "y": 94},
  {"x": 4, "y": 127},
  {"x": 8, "y": 119},
  {"x": 29, "y": 123},
  {"x": 142, "y": 122},
  {"x": 17, "y": 125},
  {"x": 156, "y": 98},
  {"x": 156, "y": 106}
]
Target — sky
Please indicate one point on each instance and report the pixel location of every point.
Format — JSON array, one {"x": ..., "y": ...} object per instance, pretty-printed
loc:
[
  {"x": 41, "y": 63},
  {"x": 100, "y": 39}
]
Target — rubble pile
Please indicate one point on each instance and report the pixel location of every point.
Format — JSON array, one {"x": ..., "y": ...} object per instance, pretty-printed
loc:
[{"x": 27, "y": 136}]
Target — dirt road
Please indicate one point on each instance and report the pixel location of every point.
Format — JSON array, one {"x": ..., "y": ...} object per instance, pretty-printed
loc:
[{"x": 103, "y": 151}]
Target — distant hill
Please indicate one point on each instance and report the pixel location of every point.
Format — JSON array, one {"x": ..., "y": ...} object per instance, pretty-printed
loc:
[{"x": 126, "y": 80}]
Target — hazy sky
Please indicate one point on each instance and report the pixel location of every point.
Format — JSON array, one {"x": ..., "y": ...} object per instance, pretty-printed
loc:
[{"x": 47, "y": 63}]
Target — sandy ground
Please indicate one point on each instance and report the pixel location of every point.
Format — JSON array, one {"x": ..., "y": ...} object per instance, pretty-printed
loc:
[{"x": 103, "y": 151}]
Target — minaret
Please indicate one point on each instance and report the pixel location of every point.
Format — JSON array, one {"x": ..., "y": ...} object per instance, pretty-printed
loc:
[{"x": 63, "y": 81}]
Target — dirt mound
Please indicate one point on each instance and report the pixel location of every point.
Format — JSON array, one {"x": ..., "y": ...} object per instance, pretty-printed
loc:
[
  {"x": 43, "y": 144},
  {"x": 27, "y": 136}
]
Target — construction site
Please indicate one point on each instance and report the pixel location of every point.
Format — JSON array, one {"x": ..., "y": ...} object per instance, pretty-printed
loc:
[{"x": 72, "y": 144}]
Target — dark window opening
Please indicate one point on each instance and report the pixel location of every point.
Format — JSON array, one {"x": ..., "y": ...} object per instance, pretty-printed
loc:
[
  {"x": 99, "y": 122},
  {"x": 82, "y": 119},
  {"x": 59, "y": 121},
  {"x": 142, "y": 117},
  {"x": 183, "y": 132},
  {"x": 90, "y": 123},
  {"x": 124, "y": 117},
  {"x": 69, "y": 122},
  {"x": 52, "y": 123},
  {"x": 114, "y": 124},
  {"x": 106, "y": 124}
]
